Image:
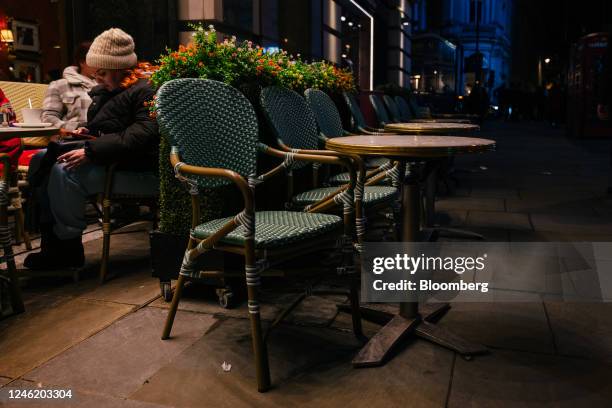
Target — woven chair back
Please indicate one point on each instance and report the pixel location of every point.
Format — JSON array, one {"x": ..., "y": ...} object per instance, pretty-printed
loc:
[
  {"x": 291, "y": 118},
  {"x": 379, "y": 108},
  {"x": 325, "y": 112},
  {"x": 351, "y": 102},
  {"x": 404, "y": 109},
  {"x": 211, "y": 124},
  {"x": 392, "y": 108}
]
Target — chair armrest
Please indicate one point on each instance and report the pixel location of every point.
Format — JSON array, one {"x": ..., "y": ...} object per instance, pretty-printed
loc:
[
  {"x": 237, "y": 179},
  {"x": 313, "y": 156}
]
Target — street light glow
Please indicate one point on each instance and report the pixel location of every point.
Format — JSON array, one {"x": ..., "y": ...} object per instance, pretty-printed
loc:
[{"x": 547, "y": 61}]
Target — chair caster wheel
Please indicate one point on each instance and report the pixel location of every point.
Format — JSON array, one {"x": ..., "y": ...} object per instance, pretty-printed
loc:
[
  {"x": 226, "y": 298},
  {"x": 166, "y": 290}
]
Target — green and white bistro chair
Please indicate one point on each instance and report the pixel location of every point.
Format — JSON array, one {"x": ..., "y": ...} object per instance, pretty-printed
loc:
[
  {"x": 213, "y": 131},
  {"x": 393, "y": 109},
  {"x": 406, "y": 115},
  {"x": 330, "y": 125},
  {"x": 359, "y": 123},
  {"x": 296, "y": 130},
  {"x": 382, "y": 116}
]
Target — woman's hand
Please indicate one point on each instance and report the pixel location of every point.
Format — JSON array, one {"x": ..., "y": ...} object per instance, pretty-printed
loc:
[
  {"x": 73, "y": 159},
  {"x": 81, "y": 131}
]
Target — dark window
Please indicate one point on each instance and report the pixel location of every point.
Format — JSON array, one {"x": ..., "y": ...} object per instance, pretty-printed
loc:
[
  {"x": 238, "y": 13},
  {"x": 475, "y": 11}
]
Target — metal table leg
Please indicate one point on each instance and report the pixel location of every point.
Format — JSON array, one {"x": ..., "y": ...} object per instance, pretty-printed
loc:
[{"x": 411, "y": 320}]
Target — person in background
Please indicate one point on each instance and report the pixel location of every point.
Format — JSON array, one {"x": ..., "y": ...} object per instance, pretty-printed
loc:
[
  {"x": 67, "y": 100},
  {"x": 12, "y": 147},
  {"x": 121, "y": 131}
]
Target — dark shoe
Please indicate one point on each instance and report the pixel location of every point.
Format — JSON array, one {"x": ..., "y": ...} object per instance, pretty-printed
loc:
[{"x": 57, "y": 254}]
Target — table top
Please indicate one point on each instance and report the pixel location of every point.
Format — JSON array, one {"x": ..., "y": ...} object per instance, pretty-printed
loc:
[
  {"x": 462, "y": 121},
  {"x": 401, "y": 146},
  {"x": 11, "y": 132},
  {"x": 431, "y": 128},
  {"x": 455, "y": 115}
]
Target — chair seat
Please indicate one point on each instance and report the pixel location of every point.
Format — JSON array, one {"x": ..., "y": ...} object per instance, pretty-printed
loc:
[
  {"x": 372, "y": 195},
  {"x": 344, "y": 178},
  {"x": 274, "y": 228}
]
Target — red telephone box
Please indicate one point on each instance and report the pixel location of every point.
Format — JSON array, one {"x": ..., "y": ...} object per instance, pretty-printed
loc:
[{"x": 584, "y": 75}]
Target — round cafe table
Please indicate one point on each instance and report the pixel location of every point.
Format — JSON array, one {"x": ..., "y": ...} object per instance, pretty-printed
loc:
[
  {"x": 410, "y": 319},
  {"x": 5, "y": 237},
  {"x": 12, "y": 132},
  {"x": 431, "y": 128}
]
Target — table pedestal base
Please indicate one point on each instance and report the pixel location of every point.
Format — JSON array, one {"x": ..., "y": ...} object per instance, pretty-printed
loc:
[{"x": 397, "y": 327}]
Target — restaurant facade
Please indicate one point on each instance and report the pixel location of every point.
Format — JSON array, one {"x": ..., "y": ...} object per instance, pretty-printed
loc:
[{"x": 372, "y": 38}]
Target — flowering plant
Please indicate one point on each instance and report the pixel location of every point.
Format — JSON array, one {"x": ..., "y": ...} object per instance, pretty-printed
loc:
[{"x": 239, "y": 63}]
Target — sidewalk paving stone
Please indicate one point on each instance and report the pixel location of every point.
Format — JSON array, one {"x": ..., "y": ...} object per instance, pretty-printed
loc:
[
  {"x": 34, "y": 337},
  {"x": 79, "y": 399},
  {"x": 498, "y": 219},
  {"x": 582, "y": 329},
  {"x": 309, "y": 366},
  {"x": 511, "y": 379},
  {"x": 118, "y": 360}
]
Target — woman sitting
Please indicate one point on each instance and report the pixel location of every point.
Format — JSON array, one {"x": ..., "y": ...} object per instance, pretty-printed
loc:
[
  {"x": 121, "y": 132},
  {"x": 67, "y": 99}
]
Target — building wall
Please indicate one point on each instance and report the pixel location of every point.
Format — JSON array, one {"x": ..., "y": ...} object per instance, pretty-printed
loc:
[
  {"x": 455, "y": 21},
  {"x": 339, "y": 31},
  {"x": 49, "y": 16}
]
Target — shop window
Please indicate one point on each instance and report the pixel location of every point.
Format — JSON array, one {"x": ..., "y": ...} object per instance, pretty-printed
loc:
[
  {"x": 238, "y": 13},
  {"x": 475, "y": 11}
]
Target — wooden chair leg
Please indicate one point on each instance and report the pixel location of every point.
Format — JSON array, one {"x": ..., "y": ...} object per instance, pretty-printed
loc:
[
  {"x": 262, "y": 366},
  {"x": 20, "y": 221},
  {"x": 106, "y": 234},
  {"x": 173, "y": 307},
  {"x": 253, "y": 280},
  {"x": 18, "y": 226}
]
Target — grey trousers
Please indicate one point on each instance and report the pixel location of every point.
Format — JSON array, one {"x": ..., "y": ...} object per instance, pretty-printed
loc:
[{"x": 68, "y": 191}]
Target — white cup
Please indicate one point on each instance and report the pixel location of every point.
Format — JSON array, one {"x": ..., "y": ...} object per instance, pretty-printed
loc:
[{"x": 31, "y": 115}]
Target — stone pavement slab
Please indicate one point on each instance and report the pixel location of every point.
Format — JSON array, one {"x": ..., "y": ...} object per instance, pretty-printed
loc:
[
  {"x": 582, "y": 329},
  {"x": 4, "y": 380},
  {"x": 470, "y": 203},
  {"x": 200, "y": 299},
  {"x": 79, "y": 399},
  {"x": 135, "y": 286},
  {"x": 309, "y": 366},
  {"x": 118, "y": 360},
  {"x": 571, "y": 224},
  {"x": 130, "y": 260},
  {"x": 566, "y": 205},
  {"x": 498, "y": 219},
  {"x": 451, "y": 218},
  {"x": 34, "y": 337},
  {"x": 511, "y": 379},
  {"x": 495, "y": 192},
  {"x": 508, "y": 325}
]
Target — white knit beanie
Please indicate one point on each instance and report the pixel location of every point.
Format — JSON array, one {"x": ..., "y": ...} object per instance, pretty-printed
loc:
[{"x": 113, "y": 49}]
